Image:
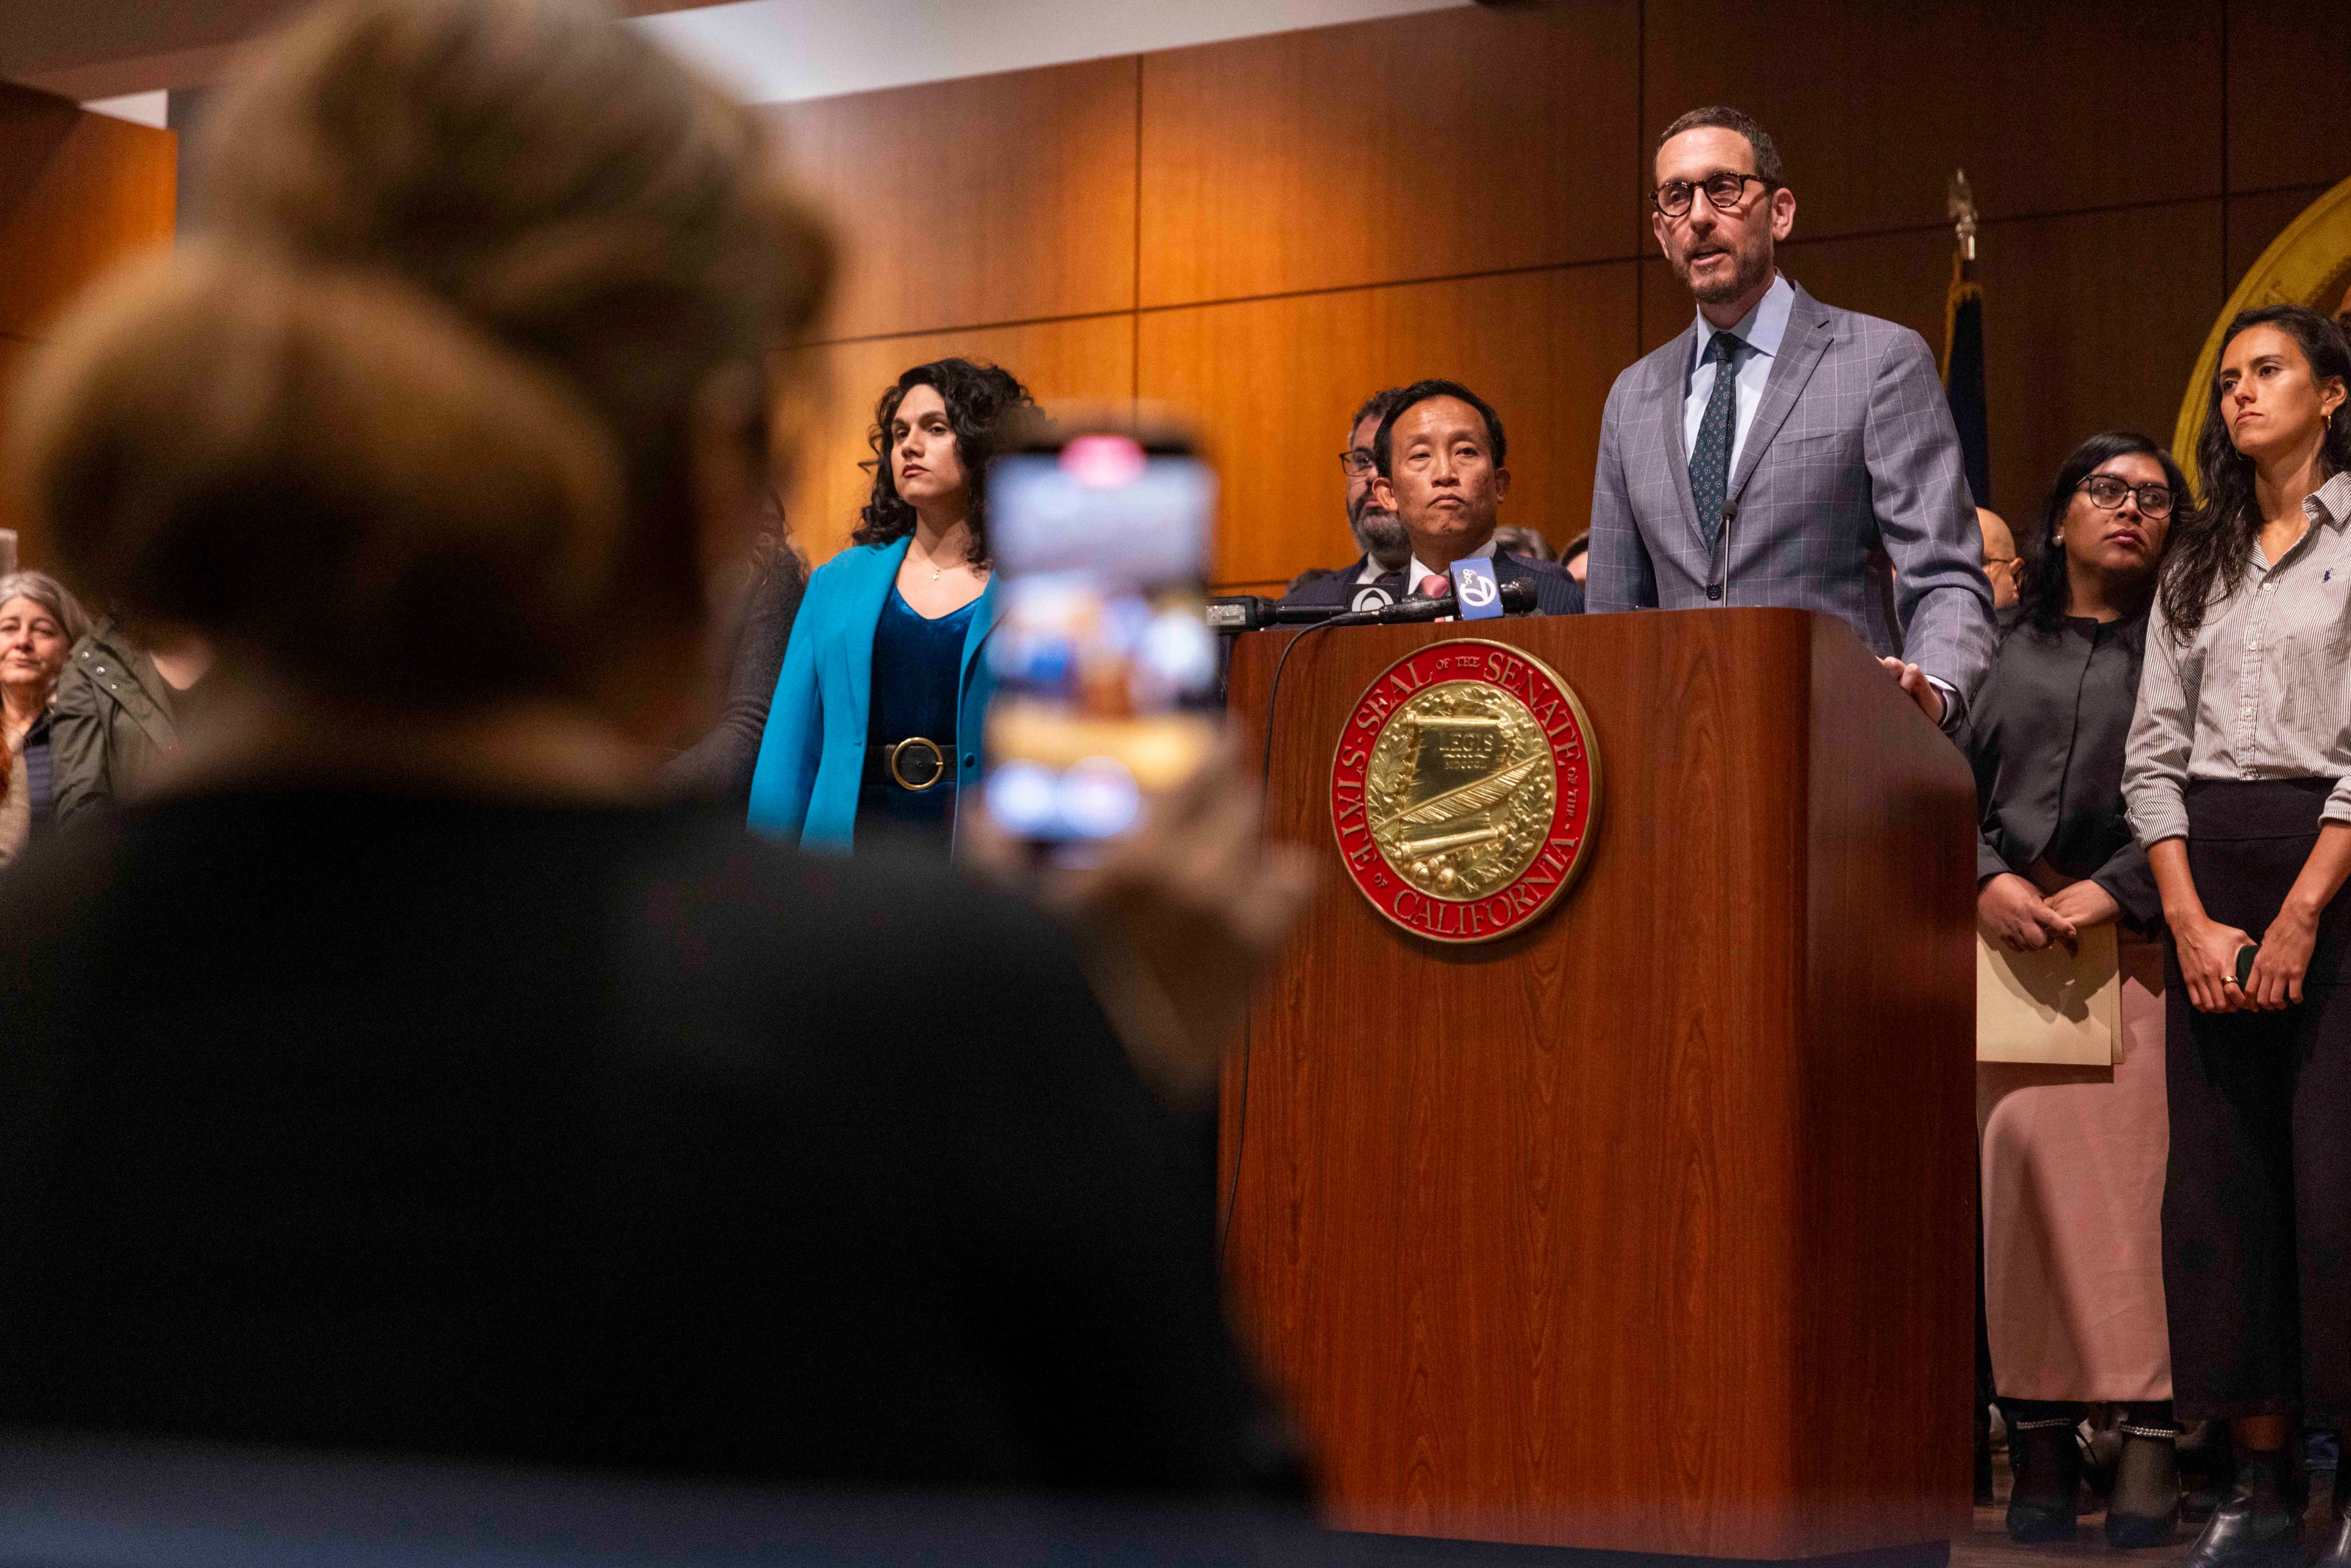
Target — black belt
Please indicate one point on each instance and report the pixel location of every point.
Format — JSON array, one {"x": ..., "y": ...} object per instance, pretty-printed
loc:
[{"x": 915, "y": 764}]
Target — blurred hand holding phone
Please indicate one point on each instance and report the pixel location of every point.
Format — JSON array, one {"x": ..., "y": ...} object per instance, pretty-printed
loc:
[{"x": 1111, "y": 790}]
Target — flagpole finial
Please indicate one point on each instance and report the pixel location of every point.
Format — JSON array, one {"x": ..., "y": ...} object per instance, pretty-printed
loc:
[{"x": 1963, "y": 210}]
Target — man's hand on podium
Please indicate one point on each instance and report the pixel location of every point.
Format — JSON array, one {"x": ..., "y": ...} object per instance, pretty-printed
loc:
[{"x": 1923, "y": 691}]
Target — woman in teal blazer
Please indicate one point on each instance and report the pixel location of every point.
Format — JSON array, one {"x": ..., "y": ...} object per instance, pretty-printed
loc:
[{"x": 877, "y": 716}]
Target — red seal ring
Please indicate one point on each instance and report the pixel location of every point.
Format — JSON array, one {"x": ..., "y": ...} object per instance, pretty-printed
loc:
[{"x": 1465, "y": 790}]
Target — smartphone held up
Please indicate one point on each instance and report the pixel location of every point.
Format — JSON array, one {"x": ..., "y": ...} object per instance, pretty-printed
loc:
[{"x": 1106, "y": 669}]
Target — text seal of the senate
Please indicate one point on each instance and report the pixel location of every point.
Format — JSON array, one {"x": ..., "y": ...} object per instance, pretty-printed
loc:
[{"x": 1465, "y": 790}]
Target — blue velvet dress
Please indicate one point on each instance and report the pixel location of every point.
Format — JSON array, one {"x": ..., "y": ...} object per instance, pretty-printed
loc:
[{"x": 917, "y": 673}]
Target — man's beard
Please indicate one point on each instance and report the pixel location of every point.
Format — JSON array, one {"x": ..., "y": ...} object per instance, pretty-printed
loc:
[
  {"x": 1752, "y": 267},
  {"x": 1382, "y": 534}
]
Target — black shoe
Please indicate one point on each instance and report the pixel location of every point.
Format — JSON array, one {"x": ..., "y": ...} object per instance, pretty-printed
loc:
[
  {"x": 1984, "y": 1454},
  {"x": 2045, "y": 1457},
  {"x": 2248, "y": 1531},
  {"x": 2208, "y": 1470},
  {"x": 2145, "y": 1509},
  {"x": 2335, "y": 1552}
]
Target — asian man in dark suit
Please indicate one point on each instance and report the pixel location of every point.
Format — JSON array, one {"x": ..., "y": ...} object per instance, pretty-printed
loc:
[{"x": 1441, "y": 453}]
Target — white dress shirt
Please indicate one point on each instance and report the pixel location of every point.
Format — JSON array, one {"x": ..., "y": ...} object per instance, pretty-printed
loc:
[{"x": 1760, "y": 332}]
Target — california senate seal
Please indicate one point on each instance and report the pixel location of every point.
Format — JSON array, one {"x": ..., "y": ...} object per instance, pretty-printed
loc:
[{"x": 1465, "y": 790}]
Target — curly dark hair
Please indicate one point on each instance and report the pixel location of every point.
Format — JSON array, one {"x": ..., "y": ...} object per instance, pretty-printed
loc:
[
  {"x": 2209, "y": 560},
  {"x": 979, "y": 398},
  {"x": 2043, "y": 588}
]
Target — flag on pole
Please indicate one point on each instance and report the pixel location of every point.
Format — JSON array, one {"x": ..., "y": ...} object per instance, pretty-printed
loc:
[{"x": 1963, "y": 346}]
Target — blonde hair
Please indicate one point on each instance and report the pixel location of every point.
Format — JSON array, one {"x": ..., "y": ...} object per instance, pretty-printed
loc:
[
  {"x": 329, "y": 468},
  {"x": 564, "y": 186}
]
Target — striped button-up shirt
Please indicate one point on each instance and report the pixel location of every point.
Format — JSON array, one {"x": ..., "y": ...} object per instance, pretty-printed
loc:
[{"x": 2264, "y": 689}]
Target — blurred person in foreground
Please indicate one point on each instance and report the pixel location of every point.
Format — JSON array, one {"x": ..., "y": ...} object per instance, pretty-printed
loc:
[
  {"x": 39, "y": 621},
  {"x": 1376, "y": 531},
  {"x": 394, "y": 1078},
  {"x": 2073, "y": 1162},
  {"x": 873, "y": 733}
]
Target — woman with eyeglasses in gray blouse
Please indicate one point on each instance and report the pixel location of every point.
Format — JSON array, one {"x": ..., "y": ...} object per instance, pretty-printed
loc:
[{"x": 2238, "y": 777}]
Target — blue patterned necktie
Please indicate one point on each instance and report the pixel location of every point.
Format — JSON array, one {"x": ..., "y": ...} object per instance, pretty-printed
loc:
[{"x": 1709, "y": 464}]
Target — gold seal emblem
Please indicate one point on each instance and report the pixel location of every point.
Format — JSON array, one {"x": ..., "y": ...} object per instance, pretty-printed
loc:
[
  {"x": 1464, "y": 788},
  {"x": 1459, "y": 789}
]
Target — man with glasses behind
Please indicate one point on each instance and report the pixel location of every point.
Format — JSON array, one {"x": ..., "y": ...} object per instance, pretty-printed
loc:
[
  {"x": 1783, "y": 451},
  {"x": 1376, "y": 529}
]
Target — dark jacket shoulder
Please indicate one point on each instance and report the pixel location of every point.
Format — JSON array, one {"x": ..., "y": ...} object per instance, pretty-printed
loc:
[
  {"x": 114, "y": 716},
  {"x": 1324, "y": 585}
]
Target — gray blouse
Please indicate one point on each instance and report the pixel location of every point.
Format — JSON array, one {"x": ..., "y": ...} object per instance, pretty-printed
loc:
[
  {"x": 2046, "y": 735},
  {"x": 2263, "y": 691}
]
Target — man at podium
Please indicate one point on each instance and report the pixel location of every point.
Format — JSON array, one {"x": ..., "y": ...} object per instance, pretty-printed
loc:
[
  {"x": 1440, "y": 453},
  {"x": 1782, "y": 452}
]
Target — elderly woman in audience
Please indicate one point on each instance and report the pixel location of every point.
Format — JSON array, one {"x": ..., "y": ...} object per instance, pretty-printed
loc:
[
  {"x": 2239, "y": 780},
  {"x": 875, "y": 730},
  {"x": 399, "y": 1078},
  {"x": 2073, "y": 1159},
  {"x": 39, "y": 623}
]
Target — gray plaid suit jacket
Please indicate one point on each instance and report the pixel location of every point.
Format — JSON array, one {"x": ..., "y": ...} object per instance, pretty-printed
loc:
[{"x": 1848, "y": 497}]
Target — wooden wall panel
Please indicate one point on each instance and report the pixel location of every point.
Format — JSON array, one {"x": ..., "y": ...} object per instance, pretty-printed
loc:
[
  {"x": 32, "y": 549},
  {"x": 2289, "y": 93},
  {"x": 1091, "y": 359},
  {"x": 77, "y": 192},
  {"x": 2092, "y": 322},
  {"x": 2255, "y": 219},
  {"x": 1428, "y": 146},
  {"x": 988, "y": 199},
  {"x": 1873, "y": 105},
  {"x": 1275, "y": 382}
]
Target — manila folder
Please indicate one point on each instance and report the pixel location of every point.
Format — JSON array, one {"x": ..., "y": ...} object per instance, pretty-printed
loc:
[{"x": 2053, "y": 1006}]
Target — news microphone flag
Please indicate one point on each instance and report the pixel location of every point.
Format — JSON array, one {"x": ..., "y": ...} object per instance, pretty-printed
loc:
[{"x": 1476, "y": 591}]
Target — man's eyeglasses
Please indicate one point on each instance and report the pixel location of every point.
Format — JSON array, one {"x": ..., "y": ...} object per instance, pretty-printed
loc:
[
  {"x": 1724, "y": 192},
  {"x": 2107, "y": 492},
  {"x": 1358, "y": 463}
]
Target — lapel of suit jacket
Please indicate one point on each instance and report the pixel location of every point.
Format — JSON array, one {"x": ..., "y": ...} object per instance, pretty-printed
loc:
[
  {"x": 1674, "y": 373},
  {"x": 1800, "y": 354}
]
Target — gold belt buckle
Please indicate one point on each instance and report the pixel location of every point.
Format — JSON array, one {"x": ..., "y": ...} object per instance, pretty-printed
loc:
[{"x": 916, "y": 745}]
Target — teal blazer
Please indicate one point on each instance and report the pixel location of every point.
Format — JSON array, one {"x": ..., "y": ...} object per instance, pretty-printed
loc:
[{"x": 812, "y": 756}]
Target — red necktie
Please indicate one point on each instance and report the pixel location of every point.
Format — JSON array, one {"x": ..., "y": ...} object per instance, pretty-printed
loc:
[{"x": 1435, "y": 587}]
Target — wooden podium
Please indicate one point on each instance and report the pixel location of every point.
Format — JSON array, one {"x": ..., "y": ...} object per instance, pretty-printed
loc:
[{"x": 1647, "y": 1228}]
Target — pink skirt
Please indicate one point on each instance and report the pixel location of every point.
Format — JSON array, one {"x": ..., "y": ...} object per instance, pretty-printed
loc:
[{"x": 2072, "y": 1208}]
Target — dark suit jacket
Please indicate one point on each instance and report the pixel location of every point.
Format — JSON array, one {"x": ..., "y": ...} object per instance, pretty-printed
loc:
[
  {"x": 563, "y": 1135},
  {"x": 1556, "y": 593}
]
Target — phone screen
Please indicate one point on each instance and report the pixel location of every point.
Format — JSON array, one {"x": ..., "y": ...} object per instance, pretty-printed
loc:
[{"x": 1106, "y": 668}]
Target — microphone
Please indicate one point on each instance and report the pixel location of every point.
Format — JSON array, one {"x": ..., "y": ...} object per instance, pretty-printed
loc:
[
  {"x": 1517, "y": 599},
  {"x": 1247, "y": 613}
]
